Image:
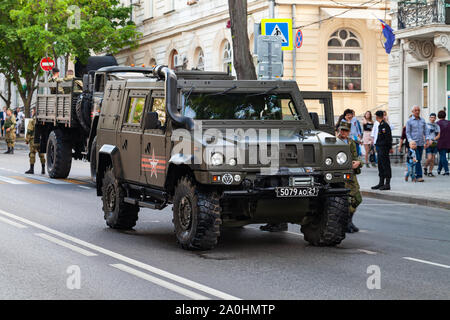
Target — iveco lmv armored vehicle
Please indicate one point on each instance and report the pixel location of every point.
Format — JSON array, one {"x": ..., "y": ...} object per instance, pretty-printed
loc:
[{"x": 223, "y": 153}]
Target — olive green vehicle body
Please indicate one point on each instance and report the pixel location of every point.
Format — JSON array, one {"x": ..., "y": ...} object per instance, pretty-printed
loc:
[{"x": 133, "y": 149}]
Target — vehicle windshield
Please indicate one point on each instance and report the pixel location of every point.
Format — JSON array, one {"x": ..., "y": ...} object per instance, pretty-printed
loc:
[{"x": 239, "y": 106}]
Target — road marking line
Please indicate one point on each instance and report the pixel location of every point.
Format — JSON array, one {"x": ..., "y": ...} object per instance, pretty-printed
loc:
[
  {"x": 66, "y": 245},
  {"x": 73, "y": 181},
  {"x": 367, "y": 251},
  {"x": 83, "y": 187},
  {"x": 12, "y": 181},
  {"x": 294, "y": 233},
  {"x": 118, "y": 256},
  {"x": 52, "y": 181},
  {"x": 160, "y": 282},
  {"x": 13, "y": 223},
  {"x": 32, "y": 181},
  {"x": 427, "y": 262}
]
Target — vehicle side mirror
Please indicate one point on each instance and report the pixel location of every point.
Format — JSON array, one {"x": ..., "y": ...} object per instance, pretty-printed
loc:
[
  {"x": 315, "y": 119},
  {"x": 86, "y": 83},
  {"x": 151, "y": 121}
]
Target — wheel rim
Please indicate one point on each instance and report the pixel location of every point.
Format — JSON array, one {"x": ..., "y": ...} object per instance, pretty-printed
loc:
[
  {"x": 185, "y": 213},
  {"x": 110, "y": 197}
]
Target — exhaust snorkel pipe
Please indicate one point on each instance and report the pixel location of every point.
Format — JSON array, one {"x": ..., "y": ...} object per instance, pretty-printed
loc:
[{"x": 163, "y": 72}]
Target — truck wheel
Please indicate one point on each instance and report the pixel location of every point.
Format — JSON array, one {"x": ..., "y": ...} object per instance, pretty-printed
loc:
[
  {"x": 93, "y": 160},
  {"x": 118, "y": 214},
  {"x": 328, "y": 229},
  {"x": 196, "y": 216},
  {"x": 83, "y": 103},
  {"x": 59, "y": 155}
]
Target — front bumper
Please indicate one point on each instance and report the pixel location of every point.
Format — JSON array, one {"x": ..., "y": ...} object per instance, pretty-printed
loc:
[{"x": 270, "y": 192}]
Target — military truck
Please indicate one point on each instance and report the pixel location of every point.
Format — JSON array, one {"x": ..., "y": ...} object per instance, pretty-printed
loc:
[
  {"x": 162, "y": 140},
  {"x": 67, "y": 119}
]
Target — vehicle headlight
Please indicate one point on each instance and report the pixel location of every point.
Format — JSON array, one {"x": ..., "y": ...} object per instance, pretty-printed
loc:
[
  {"x": 329, "y": 176},
  {"x": 217, "y": 159},
  {"x": 232, "y": 162},
  {"x": 341, "y": 158},
  {"x": 329, "y": 161}
]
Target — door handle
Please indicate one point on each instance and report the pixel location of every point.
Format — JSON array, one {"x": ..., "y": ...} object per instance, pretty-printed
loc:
[
  {"x": 148, "y": 148},
  {"x": 125, "y": 145}
]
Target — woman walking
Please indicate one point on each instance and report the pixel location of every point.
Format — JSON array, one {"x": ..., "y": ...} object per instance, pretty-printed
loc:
[{"x": 367, "y": 138}]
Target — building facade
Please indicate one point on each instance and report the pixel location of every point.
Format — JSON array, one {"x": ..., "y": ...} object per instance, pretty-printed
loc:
[
  {"x": 419, "y": 65},
  {"x": 342, "y": 49}
]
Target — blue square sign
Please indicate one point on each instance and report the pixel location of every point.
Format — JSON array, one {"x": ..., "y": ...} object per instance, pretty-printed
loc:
[{"x": 278, "y": 27}]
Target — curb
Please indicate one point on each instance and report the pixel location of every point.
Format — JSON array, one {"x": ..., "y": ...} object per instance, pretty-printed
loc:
[{"x": 441, "y": 204}]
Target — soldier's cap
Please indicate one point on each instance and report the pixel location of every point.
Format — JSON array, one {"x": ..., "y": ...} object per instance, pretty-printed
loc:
[
  {"x": 379, "y": 114},
  {"x": 345, "y": 126}
]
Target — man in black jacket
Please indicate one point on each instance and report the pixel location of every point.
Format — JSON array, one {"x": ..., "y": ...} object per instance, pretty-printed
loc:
[{"x": 384, "y": 145}]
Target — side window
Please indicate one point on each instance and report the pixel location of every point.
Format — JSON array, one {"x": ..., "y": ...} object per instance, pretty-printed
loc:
[
  {"x": 135, "y": 110},
  {"x": 317, "y": 106},
  {"x": 99, "y": 83},
  {"x": 159, "y": 106}
]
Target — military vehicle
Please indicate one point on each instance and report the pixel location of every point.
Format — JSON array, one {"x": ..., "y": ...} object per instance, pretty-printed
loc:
[
  {"x": 162, "y": 140},
  {"x": 67, "y": 119}
]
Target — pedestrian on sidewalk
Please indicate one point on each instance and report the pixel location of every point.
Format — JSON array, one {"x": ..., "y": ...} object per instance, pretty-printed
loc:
[
  {"x": 34, "y": 147},
  {"x": 443, "y": 142},
  {"x": 355, "y": 196},
  {"x": 2, "y": 122},
  {"x": 411, "y": 160},
  {"x": 384, "y": 146},
  {"x": 417, "y": 130},
  {"x": 367, "y": 138},
  {"x": 10, "y": 135},
  {"x": 20, "y": 118},
  {"x": 431, "y": 151}
]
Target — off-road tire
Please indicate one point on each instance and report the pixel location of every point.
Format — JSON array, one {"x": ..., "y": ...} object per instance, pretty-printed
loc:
[
  {"x": 83, "y": 109},
  {"x": 118, "y": 214},
  {"x": 59, "y": 155},
  {"x": 93, "y": 160},
  {"x": 203, "y": 229},
  {"x": 328, "y": 229}
]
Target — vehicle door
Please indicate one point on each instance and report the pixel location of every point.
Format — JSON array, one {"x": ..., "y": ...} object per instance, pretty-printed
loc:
[
  {"x": 130, "y": 137},
  {"x": 321, "y": 103},
  {"x": 153, "y": 152}
]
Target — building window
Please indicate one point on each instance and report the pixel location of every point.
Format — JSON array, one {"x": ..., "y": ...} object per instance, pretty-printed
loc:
[
  {"x": 344, "y": 61},
  {"x": 227, "y": 57},
  {"x": 169, "y": 6},
  {"x": 152, "y": 62},
  {"x": 425, "y": 88},
  {"x": 148, "y": 9},
  {"x": 199, "y": 59},
  {"x": 172, "y": 55}
]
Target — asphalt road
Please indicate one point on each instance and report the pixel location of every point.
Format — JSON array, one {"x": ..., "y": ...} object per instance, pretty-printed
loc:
[{"x": 50, "y": 233}]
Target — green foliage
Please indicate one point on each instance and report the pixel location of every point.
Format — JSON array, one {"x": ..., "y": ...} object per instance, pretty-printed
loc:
[{"x": 104, "y": 26}]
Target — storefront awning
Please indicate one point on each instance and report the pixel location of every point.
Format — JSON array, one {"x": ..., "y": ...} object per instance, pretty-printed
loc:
[{"x": 367, "y": 14}]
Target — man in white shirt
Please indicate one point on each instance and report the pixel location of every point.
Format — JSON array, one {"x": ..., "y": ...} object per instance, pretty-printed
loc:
[{"x": 20, "y": 117}]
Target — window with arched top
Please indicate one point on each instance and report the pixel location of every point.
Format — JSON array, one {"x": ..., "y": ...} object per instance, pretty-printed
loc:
[
  {"x": 344, "y": 61},
  {"x": 152, "y": 62},
  {"x": 199, "y": 59},
  {"x": 227, "y": 57},
  {"x": 172, "y": 62}
]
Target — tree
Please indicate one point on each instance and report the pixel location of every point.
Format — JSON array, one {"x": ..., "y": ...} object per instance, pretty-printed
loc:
[
  {"x": 104, "y": 27},
  {"x": 243, "y": 63}
]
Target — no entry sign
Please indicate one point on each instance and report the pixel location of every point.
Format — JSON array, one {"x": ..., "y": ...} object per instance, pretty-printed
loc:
[{"x": 47, "y": 64}]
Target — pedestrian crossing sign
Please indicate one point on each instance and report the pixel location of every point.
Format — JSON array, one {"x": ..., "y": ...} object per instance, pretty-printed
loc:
[{"x": 281, "y": 28}]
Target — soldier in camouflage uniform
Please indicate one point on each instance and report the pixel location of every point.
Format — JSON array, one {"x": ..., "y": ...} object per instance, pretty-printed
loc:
[
  {"x": 77, "y": 85},
  {"x": 10, "y": 136},
  {"x": 34, "y": 147},
  {"x": 353, "y": 185}
]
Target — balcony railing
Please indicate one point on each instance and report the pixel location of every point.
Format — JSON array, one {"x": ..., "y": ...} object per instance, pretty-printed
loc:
[{"x": 420, "y": 13}]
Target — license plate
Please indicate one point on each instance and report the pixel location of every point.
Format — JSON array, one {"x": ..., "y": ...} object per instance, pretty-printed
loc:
[{"x": 290, "y": 192}]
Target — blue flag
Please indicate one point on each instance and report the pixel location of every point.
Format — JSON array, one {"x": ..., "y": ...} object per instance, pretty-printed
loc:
[{"x": 389, "y": 35}]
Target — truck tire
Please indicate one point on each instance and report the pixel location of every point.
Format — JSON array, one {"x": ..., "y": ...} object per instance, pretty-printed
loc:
[
  {"x": 83, "y": 109},
  {"x": 328, "y": 229},
  {"x": 93, "y": 160},
  {"x": 196, "y": 216},
  {"x": 59, "y": 155},
  {"x": 118, "y": 214}
]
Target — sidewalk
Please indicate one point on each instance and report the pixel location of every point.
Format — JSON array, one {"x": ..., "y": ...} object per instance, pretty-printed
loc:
[{"x": 433, "y": 192}]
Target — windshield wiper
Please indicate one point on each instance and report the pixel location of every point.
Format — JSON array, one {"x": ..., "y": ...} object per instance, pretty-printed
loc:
[
  {"x": 262, "y": 93},
  {"x": 188, "y": 94},
  {"x": 223, "y": 92}
]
